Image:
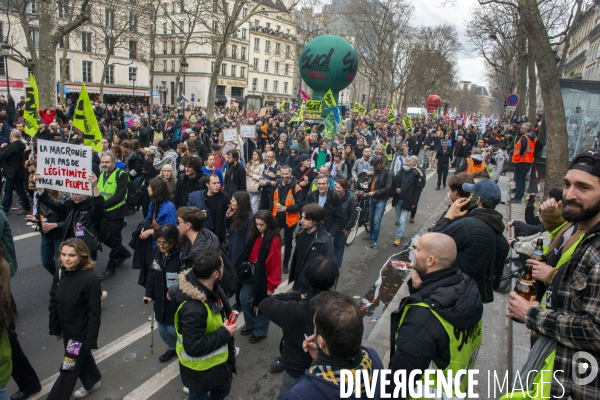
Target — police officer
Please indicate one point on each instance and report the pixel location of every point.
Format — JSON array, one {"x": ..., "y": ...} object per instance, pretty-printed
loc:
[{"x": 113, "y": 185}]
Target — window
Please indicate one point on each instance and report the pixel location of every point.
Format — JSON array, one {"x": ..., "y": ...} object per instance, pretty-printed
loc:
[
  {"x": 268, "y": 25},
  {"x": 164, "y": 65},
  {"x": 86, "y": 42},
  {"x": 67, "y": 69},
  {"x": 286, "y": 70},
  {"x": 256, "y": 23},
  {"x": 63, "y": 10},
  {"x": 285, "y": 86},
  {"x": 172, "y": 26},
  {"x": 2, "y": 67},
  {"x": 181, "y": 26},
  {"x": 255, "y": 64},
  {"x": 133, "y": 20},
  {"x": 242, "y": 72},
  {"x": 233, "y": 68},
  {"x": 132, "y": 50},
  {"x": 223, "y": 69},
  {"x": 109, "y": 18},
  {"x": 215, "y": 26},
  {"x": 244, "y": 33},
  {"x": 164, "y": 7},
  {"x": 32, "y": 7},
  {"x": 243, "y": 54},
  {"x": 266, "y": 65},
  {"x": 172, "y": 65},
  {"x": 109, "y": 44},
  {"x": 287, "y": 31},
  {"x": 214, "y": 6},
  {"x": 277, "y": 49},
  {"x": 86, "y": 71},
  {"x": 181, "y": 45},
  {"x": 256, "y": 44},
  {"x": 277, "y": 68},
  {"x": 173, "y": 7},
  {"x": 212, "y": 66},
  {"x": 110, "y": 75},
  {"x": 278, "y": 28},
  {"x": 172, "y": 47},
  {"x": 164, "y": 47},
  {"x": 267, "y": 47},
  {"x": 234, "y": 52},
  {"x": 213, "y": 50},
  {"x": 64, "y": 41},
  {"x": 275, "y": 86},
  {"x": 288, "y": 53},
  {"x": 266, "y": 85},
  {"x": 244, "y": 12},
  {"x": 164, "y": 28},
  {"x": 132, "y": 74}
]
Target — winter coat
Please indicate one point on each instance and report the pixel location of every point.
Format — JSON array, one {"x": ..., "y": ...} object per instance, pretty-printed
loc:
[
  {"x": 234, "y": 179},
  {"x": 334, "y": 210},
  {"x": 192, "y": 327},
  {"x": 383, "y": 185},
  {"x": 237, "y": 240},
  {"x": 186, "y": 186},
  {"x": 321, "y": 245},
  {"x": 411, "y": 192},
  {"x": 443, "y": 158},
  {"x": 474, "y": 235},
  {"x": 169, "y": 157},
  {"x": 12, "y": 157},
  {"x": 198, "y": 199},
  {"x": 359, "y": 166},
  {"x": 171, "y": 184},
  {"x": 163, "y": 274},
  {"x": 350, "y": 213},
  {"x": 422, "y": 338},
  {"x": 315, "y": 157},
  {"x": 133, "y": 162},
  {"x": 75, "y": 306}
]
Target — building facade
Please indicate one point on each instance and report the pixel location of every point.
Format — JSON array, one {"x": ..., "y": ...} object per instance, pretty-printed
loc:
[{"x": 579, "y": 60}]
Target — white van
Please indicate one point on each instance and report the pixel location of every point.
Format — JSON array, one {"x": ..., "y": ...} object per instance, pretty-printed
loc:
[{"x": 414, "y": 111}]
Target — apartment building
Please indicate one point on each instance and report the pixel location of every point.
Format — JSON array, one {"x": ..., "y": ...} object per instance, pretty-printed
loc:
[{"x": 581, "y": 57}]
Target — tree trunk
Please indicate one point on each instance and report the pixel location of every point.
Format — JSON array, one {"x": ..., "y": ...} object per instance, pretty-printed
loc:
[
  {"x": 214, "y": 77},
  {"x": 557, "y": 158},
  {"x": 104, "y": 70},
  {"x": 522, "y": 69},
  {"x": 531, "y": 86},
  {"x": 63, "y": 64},
  {"x": 45, "y": 67}
]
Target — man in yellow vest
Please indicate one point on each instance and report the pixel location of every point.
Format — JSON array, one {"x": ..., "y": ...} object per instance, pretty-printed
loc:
[
  {"x": 204, "y": 336},
  {"x": 113, "y": 184},
  {"x": 439, "y": 325},
  {"x": 287, "y": 202},
  {"x": 523, "y": 159}
]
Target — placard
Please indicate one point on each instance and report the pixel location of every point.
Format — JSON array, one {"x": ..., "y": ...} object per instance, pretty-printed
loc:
[
  {"x": 230, "y": 135},
  {"x": 247, "y": 131},
  {"x": 65, "y": 167},
  {"x": 228, "y": 146}
]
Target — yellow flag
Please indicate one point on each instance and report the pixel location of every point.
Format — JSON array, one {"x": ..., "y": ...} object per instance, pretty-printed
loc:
[
  {"x": 302, "y": 108},
  {"x": 329, "y": 99},
  {"x": 372, "y": 108},
  {"x": 359, "y": 109},
  {"x": 85, "y": 121},
  {"x": 282, "y": 105},
  {"x": 392, "y": 114},
  {"x": 31, "y": 112},
  {"x": 407, "y": 123}
]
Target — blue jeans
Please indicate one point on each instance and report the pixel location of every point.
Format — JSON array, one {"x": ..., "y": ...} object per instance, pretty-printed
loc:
[
  {"x": 376, "y": 210},
  {"x": 4, "y": 393},
  {"x": 260, "y": 323},
  {"x": 49, "y": 249},
  {"x": 167, "y": 334},
  {"x": 214, "y": 394},
  {"x": 401, "y": 216},
  {"x": 521, "y": 170},
  {"x": 339, "y": 245}
]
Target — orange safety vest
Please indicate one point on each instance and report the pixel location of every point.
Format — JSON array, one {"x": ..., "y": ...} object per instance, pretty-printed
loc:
[
  {"x": 472, "y": 168},
  {"x": 291, "y": 219},
  {"x": 528, "y": 157}
]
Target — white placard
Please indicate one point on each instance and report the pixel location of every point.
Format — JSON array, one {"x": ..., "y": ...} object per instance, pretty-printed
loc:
[
  {"x": 230, "y": 135},
  {"x": 247, "y": 131},
  {"x": 65, "y": 167},
  {"x": 228, "y": 146}
]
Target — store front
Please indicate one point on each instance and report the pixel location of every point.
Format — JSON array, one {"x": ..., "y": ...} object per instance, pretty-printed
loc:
[
  {"x": 112, "y": 94},
  {"x": 221, "y": 99}
]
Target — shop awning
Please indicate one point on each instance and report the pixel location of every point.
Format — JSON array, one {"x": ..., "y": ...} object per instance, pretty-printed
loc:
[
  {"x": 220, "y": 98},
  {"x": 110, "y": 90},
  {"x": 67, "y": 91},
  {"x": 238, "y": 99}
]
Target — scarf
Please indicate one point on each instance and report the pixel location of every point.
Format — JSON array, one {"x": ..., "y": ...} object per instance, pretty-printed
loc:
[
  {"x": 321, "y": 158},
  {"x": 328, "y": 368}
]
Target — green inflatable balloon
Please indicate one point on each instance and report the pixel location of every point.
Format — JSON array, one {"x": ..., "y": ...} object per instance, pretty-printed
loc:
[{"x": 328, "y": 62}]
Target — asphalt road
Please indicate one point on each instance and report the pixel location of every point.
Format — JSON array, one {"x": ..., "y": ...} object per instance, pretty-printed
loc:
[{"x": 128, "y": 369}]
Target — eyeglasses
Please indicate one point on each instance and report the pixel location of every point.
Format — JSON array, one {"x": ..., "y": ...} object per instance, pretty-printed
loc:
[{"x": 162, "y": 244}]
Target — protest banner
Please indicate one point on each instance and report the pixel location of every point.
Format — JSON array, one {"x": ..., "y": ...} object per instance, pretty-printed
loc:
[
  {"x": 65, "y": 167},
  {"x": 247, "y": 131},
  {"x": 314, "y": 109},
  {"x": 230, "y": 135},
  {"x": 228, "y": 146}
]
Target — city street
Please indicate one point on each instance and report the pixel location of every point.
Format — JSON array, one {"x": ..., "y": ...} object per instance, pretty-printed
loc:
[{"x": 128, "y": 369}]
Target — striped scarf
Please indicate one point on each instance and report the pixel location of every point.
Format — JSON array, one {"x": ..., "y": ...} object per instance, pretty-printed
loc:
[{"x": 331, "y": 373}]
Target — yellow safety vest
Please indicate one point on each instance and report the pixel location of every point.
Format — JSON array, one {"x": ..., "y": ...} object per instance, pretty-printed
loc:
[
  {"x": 390, "y": 157},
  {"x": 108, "y": 187},
  {"x": 214, "y": 321}
]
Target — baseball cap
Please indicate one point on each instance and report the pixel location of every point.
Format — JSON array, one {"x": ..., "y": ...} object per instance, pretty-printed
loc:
[
  {"x": 591, "y": 156},
  {"x": 163, "y": 144},
  {"x": 486, "y": 189},
  {"x": 304, "y": 157},
  {"x": 495, "y": 142}
]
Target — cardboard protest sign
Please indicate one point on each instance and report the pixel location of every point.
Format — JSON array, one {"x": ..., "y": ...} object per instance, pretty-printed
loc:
[
  {"x": 247, "y": 131},
  {"x": 230, "y": 135},
  {"x": 228, "y": 146},
  {"x": 65, "y": 167}
]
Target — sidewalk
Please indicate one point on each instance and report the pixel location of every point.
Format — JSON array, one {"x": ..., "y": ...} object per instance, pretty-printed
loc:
[{"x": 494, "y": 354}]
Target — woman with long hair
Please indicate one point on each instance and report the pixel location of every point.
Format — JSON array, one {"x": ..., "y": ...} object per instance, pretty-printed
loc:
[
  {"x": 209, "y": 168},
  {"x": 260, "y": 264},
  {"x": 281, "y": 153},
  {"x": 75, "y": 309},
  {"x": 254, "y": 171},
  {"x": 166, "y": 265},
  {"x": 7, "y": 313},
  {"x": 168, "y": 176},
  {"x": 239, "y": 218},
  {"x": 161, "y": 211},
  {"x": 117, "y": 151},
  {"x": 350, "y": 156},
  {"x": 349, "y": 207}
]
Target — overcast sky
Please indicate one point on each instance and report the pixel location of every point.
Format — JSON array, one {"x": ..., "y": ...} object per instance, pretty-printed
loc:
[{"x": 470, "y": 67}]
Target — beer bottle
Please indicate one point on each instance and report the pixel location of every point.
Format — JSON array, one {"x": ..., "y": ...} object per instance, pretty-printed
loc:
[
  {"x": 538, "y": 252},
  {"x": 525, "y": 288}
]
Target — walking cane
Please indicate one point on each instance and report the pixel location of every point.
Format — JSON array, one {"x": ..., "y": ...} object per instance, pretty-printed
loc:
[{"x": 152, "y": 334}]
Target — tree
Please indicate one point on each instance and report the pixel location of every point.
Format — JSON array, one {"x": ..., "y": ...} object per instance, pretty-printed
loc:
[{"x": 42, "y": 31}]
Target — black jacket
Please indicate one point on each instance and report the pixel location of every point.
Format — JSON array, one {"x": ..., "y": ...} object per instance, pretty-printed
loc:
[
  {"x": 185, "y": 186},
  {"x": 321, "y": 245},
  {"x": 443, "y": 158},
  {"x": 334, "y": 210},
  {"x": 422, "y": 337},
  {"x": 411, "y": 184},
  {"x": 192, "y": 327},
  {"x": 12, "y": 156},
  {"x": 383, "y": 185},
  {"x": 75, "y": 306},
  {"x": 350, "y": 213},
  {"x": 164, "y": 273},
  {"x": 135, "y": 163},
  {"x": 234, "y": 179},
  {"x": 475, "y": 235},
  {"x": 119, "y": 196},
  {"x": 290, "y": 312}
]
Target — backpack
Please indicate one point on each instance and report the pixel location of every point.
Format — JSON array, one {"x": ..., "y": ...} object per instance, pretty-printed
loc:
[
  {"x": 132, "y": 189},
  {"x": 176, "y": 136}
]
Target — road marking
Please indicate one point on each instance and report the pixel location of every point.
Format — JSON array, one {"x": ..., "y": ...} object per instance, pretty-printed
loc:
[
  {"x": 25, "y": 236},
  {"x": 154, "y": 384}
]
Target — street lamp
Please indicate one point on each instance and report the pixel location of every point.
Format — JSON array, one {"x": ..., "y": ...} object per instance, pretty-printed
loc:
[
  {"x": 6, "y": 52},
  {"x": 133, "y": 75},
  {"x": 183, "y": 67}
]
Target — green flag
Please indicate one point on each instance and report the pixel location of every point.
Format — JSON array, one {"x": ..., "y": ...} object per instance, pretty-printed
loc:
[{"x": 330, "y": 124}]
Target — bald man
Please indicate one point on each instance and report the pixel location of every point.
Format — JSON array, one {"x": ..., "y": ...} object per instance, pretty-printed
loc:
[{"x": 443, "y": 311}]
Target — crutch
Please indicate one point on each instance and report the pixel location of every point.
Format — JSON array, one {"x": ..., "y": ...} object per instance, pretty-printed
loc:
[{"x": 152, "y": 333}]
